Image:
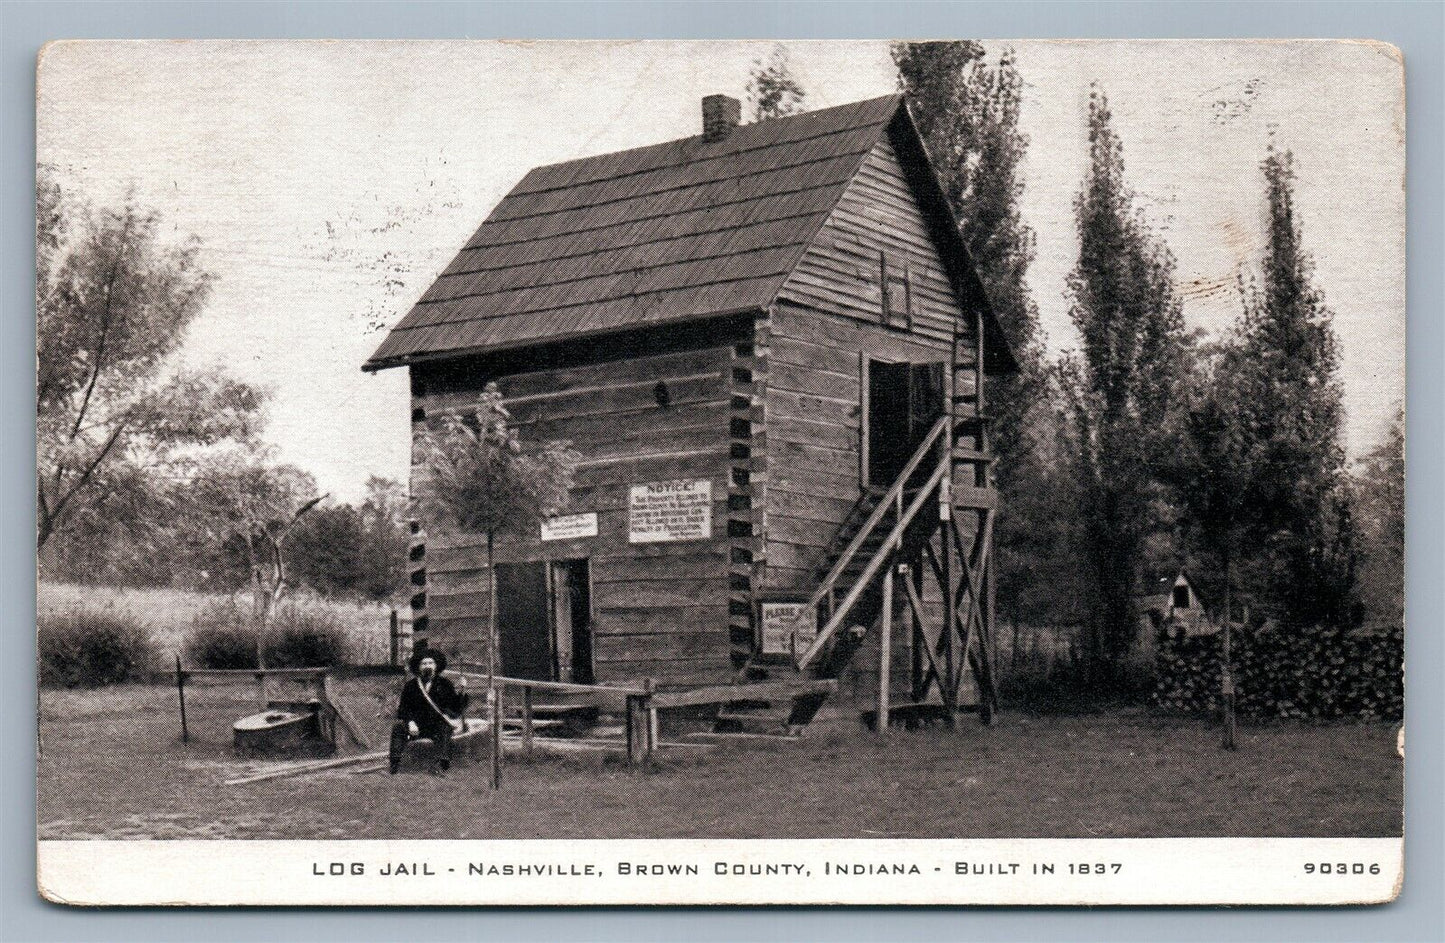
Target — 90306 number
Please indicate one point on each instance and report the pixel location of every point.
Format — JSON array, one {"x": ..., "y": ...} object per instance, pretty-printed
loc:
[{"x": 1341, "y": 867}]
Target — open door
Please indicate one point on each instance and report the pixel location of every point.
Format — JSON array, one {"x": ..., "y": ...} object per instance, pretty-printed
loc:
[
  {"x": 572, "y": 619},
  {"x": 523, "y": 624},
  {"x": 544, "y": 620},
  {"x": 904, "y": 401},
  {"x": 887, "y": 428}
]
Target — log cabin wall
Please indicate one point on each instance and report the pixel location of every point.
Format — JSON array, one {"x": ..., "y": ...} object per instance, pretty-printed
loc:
[
  {"x": 651, "y": 406},
  {"x": 829, "y": 320}
]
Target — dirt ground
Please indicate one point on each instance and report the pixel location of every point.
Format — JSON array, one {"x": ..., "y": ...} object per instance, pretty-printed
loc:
[{"x": 113, "y": 766}]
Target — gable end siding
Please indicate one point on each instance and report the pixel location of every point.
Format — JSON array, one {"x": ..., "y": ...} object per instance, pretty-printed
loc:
[{"x": 841, "y": 272}]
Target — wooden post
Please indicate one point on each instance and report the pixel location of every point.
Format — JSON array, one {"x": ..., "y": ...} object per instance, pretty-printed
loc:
[
  {"x": 636, "y": 729},
  {"x": 263, "y": 687},
  {"x": 651, "y": 715},
  {"x": 496, "y": 736},
  {"x": 985, "y": 628},
  {"x": 527, "y": 721},
  {"x": 948, "y": 684},
  {"x": 885, "y": 653},
  {"x": 395, "y": 639},
  {"x": 493, "y": 660},
  {"x": 181, "y": 691}
]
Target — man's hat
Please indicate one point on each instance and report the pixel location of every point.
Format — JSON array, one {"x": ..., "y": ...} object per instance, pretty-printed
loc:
[{"x": 435, "y": 654}]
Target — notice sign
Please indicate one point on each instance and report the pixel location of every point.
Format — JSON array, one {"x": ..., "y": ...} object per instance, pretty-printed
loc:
[
  {"x": 663, "y": 511},
  {"x": 570, "y": 526},
  {"x": 782, "y": 620}
]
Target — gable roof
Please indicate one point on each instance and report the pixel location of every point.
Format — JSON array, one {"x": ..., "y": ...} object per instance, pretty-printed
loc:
[{"x": 659, "y": 234}]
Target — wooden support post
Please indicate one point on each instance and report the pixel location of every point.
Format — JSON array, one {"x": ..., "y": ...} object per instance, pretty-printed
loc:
[
  {"x": 985, "y": 630},
  {"x": 885, "y": 653},
  {"x": 948, "y": 684},
  {"x": 651, "y": 715},
  {"x": 496, "y": 737},
  {"x": 395, "y": 639},
  {"x": 263, "y": 687},
  {"x": 527, "y": 721},
  {"x": 181, "y": 692},
  {"x": 636, "y": 729}
]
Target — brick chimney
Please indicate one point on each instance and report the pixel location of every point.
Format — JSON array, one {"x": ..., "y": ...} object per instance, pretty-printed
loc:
[{"x": 720, "y": 114}]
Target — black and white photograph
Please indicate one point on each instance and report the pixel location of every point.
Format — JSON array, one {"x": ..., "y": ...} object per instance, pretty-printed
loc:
[{"x": 721, "y": 472}]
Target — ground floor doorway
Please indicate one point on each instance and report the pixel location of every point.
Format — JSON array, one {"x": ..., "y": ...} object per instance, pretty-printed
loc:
[{"x": 544, "y": 620}]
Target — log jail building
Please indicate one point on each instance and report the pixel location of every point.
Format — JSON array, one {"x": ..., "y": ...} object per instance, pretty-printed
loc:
[{"x": 768, "y": 344}]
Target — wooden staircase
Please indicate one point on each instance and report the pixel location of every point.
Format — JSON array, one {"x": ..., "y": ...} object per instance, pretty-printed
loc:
[{"x": 883, "y": 529}]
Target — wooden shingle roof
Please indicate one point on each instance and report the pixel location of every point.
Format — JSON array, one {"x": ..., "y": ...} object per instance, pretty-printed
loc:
[{"x": 646, "y": 236}]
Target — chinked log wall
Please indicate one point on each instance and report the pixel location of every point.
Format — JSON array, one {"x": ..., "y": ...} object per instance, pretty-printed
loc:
[{"x": 660, "y": 610}]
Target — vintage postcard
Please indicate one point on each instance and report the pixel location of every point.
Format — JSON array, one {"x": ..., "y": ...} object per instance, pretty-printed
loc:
[{"x": 720, "y": 472}]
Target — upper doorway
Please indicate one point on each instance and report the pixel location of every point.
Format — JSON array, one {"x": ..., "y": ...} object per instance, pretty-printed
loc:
[{"x": 904, "y": 400}]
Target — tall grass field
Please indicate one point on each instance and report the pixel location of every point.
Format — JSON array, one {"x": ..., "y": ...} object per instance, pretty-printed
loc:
[{"x": 169, "y": 613}]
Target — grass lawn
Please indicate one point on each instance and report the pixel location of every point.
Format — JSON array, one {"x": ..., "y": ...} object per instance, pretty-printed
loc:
[{"x": 114, "y": 767}]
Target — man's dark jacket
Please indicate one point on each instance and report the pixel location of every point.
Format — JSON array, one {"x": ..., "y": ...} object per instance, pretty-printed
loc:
[{"x": 414, "y": 706}]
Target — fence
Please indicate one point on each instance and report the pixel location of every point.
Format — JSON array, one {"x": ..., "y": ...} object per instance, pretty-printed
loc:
[{"x": 400, "y": 639}]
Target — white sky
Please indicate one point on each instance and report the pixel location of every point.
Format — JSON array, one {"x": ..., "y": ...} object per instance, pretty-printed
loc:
[{"x": 330, "y": 182}]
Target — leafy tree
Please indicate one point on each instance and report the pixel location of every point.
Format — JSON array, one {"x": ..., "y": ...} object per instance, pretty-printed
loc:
[
  {"x": 1218, "y": 473},
  {"x": 113, "y": 302},
  {"x": 476, "y": 477},
  {"x": 354, "y": 550},
  {"x": 241, "y": 499},
  {"x": 772, "y": 90},
  {"x": 1288, "y": 369},
  {"x": 967, "y": 110},
  {"x": 1121, "y": 390},
  {"x": 328, "y": 550}
]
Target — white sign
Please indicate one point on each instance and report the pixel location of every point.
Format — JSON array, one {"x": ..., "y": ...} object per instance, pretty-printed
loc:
[
  {"x": 570, "y": 526},
  {"x": 662, "y": 511},
  {"x": 782, "y": 620}
]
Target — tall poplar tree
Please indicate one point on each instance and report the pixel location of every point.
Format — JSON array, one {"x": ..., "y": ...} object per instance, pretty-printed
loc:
[
  {"x": 966, "y": 106},
  {"x": 1122, "y": 391},
  {"x": 1304, "y": 574}
]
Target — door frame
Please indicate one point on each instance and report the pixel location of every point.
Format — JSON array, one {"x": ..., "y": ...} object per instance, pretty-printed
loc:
[
  {"x": 865, "y": 445},
  {"x": 552, "y": 603}
]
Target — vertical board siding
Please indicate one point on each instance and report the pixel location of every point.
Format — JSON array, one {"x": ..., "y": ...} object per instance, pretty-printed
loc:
[{"x": 659, "y": 610}]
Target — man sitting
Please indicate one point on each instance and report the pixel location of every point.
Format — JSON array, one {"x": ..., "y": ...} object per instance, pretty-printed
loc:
[{"x": 430, "y": 707}]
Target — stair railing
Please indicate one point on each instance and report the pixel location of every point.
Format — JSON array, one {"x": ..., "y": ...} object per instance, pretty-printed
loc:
[{"x": 894, "y": 496}]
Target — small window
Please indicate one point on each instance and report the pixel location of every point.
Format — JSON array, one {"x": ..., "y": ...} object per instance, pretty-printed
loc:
[
  {"x": 1181, "y": 597},
  {"x": 896, "y": 284}
]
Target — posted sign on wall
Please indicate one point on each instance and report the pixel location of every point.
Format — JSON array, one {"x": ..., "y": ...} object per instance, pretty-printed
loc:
[
  {"x": 662, "y": 511},
  {"x": 570, "y": 526},
  {"x": 781, "y": 620}
]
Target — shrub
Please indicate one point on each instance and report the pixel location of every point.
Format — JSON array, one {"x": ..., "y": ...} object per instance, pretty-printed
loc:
[
  {"x": 92, "y": 647},
  {"x": 223, "y": 636},
  {"x": 1045, "y": 681},
  {"x": 304, "y": 637}
]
